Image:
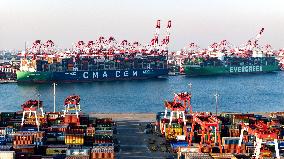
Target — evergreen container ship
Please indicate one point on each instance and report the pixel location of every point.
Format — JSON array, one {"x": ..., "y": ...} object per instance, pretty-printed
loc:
[
  {"x": 225, "y": 58},
  {"x": 230, "y": 65}
]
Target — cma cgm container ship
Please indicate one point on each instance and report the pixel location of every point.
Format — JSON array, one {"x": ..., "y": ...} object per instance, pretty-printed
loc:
[
  {"x": 101, "y": 60},
  {"x": 89, "y": 69}
]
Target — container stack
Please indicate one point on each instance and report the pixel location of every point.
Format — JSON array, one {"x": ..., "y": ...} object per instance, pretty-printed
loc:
[
  {"x": 74, "y": 153},
  {"x": 102, "y": 151},
  {"x": 60, "y": 135}
]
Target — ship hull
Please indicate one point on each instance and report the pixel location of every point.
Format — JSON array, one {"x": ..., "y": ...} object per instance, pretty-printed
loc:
[
  {"x": 89, "y": 76},
  {"x": 220, "y": 70}
]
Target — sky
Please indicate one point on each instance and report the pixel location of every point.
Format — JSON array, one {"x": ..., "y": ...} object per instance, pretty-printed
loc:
[{"x": 200, "y": 21}]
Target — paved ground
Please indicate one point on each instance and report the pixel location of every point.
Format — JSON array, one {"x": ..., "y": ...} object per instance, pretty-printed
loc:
[
  {"x": 131, "y": 136},
  {"x": 139, "y": 117}
]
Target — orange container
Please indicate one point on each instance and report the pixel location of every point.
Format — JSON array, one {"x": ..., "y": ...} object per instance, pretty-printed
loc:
[{"x": 70, "y": 118}]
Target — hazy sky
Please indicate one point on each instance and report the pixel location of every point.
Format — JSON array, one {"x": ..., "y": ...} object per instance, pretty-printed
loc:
[{"x": 199, "y": 21}]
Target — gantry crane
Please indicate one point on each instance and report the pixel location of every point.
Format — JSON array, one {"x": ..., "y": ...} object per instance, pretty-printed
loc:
[
  {"x": 207, "y": 123},
  {"x": 32, "y": 112},
  {"x": 72, "y": 103},
  {"x": 262, "y": 133}
]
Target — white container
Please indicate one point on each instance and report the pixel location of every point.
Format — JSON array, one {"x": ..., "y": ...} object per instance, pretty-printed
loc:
[{"x": 7, "y": 154}]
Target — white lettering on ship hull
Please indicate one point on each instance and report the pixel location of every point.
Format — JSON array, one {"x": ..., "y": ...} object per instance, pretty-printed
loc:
[
  {"x": 118, "y": 74},
  {"x": 86, "y": 75},
  {"x": 243, "y": 69}
]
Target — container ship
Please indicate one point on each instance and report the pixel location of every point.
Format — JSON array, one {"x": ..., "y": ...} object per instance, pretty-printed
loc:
[
  {"x": 101, "y": 60},
  {"x": 91, "y": 69},
  {"x": 231, "y": 65},
  {"x": 224, "y": 58}
]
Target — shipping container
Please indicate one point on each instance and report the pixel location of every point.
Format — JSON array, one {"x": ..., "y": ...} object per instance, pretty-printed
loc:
[
  {"x": 78, "y": 152},
  {"x": 195, "y": 155},
  {"x": 7, "y": 115},
  {"x": 7, "y": 154},
  {"x": 74, "y": 139},
  {"x": 173, "y": 131},
  {"x": 90, "y": 131},
  {"x": 3, "y": 140},
  {"x": 29, "y": 129},
  {"x": 74, "y": 129},
  {"x": 84, "y": 120},
  {"x": 102, "y": 152},
  {"x": 230, "y": 140},
  {"x": 5, "y": 147},
  {"x": 55, "y": 150},
  {"x": 71, "y": 118},
  {"x": 58, "y": 128},
  {"x": 104, "y": 132},
  {"x": 103, "y": 138},
  {"x": 77, "y": 157},
  {"x": 60, "y": 138},
  {"x": 25, "y": 148},
  {"x": 21, "y": 139},
  {"x": 47, "y": 157},
  {"x": 222, "y": 155}
]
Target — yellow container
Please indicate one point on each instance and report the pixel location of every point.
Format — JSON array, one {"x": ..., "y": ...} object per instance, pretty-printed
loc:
[
  {"x": 50, "y": 60},
  {"x": 71, "y": 139},
  {"x": 56, "y": 151},
  {"x": 172, "y": 133}
]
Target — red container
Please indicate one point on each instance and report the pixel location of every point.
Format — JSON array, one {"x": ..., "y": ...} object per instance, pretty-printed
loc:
[
  {"x": 71, "y": 119},
  {"x": 90, "y": 131}
]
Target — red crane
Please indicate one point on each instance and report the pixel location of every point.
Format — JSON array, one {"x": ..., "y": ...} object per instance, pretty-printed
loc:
[
  {"x": 207, "y": 122},
  {"x": 262, "y": 133}
]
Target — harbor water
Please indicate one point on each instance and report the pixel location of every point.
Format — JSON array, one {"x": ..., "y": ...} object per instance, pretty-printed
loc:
[{"x": 238, "y": 93}]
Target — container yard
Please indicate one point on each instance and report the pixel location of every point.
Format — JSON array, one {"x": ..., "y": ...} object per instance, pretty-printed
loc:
[
  {"x": 226, "y": 135},
  {"x": 177, "y": 132},
  {"x": 33, "y": 133}
]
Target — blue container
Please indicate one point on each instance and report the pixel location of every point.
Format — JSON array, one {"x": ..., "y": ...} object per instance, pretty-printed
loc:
[
  {"x": 2, "y": 142},
  {"x": 59, "y": 156},
  {"x": 281, "y": 145},
  {"x": 231, "y": 141},
  {"x": 9, "y": 130},
  {"x": 28, "y": 129},
  {"x": 188, "y": 129},
  {"x": 258, "y": 116},
  {"x": 38, "y": 143},
  {"x": 176, "y": 145},
  {"x": 282, "y": 133},
  {"x": 60, "y": 138},
  {"x": 103, "y": 144},
  {"x": 160, "y": 115}
]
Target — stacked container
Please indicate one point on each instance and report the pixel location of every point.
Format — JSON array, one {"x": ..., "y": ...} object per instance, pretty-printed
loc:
[
  {"x": 102, "y": 151},
  {"x": 173, "y": 131},
  {"x": 56, "y": 150},
  {"x": 74, "y": 139},
  {"x": 22, "y": 139},
  {"x": 71, "y": 119},
  {"x": 7, "y": 154},
  {"x": 82, "y": 153}
]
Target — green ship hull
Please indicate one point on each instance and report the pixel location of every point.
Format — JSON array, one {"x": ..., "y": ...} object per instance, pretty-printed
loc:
[
  {"x": 196, "y": 70},
  {"x": 36, "y": 77}
]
